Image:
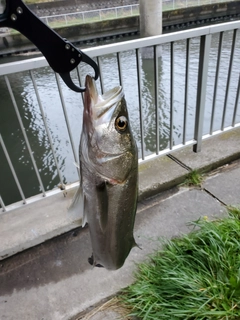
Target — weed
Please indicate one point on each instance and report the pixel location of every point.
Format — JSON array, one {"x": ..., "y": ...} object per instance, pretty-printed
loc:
[
  {"x": 194, "y": 178},
  {"x": 194, "y": 277}
]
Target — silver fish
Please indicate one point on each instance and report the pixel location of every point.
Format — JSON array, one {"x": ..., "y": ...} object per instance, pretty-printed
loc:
[{"x": 109, "y": 176}]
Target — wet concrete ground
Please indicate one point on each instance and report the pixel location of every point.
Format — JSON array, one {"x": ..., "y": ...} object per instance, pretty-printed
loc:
[
  {"x": 54, "y": 280},
  {"x": 50, "y": 277}
]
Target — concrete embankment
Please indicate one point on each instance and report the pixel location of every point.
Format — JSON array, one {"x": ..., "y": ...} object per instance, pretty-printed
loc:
[
  {"x": 78, "y": 34},
  {"x": 52, "y": 7}
]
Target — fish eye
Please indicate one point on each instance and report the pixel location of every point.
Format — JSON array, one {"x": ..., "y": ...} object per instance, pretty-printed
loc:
[{"x": 121, "y": 123}]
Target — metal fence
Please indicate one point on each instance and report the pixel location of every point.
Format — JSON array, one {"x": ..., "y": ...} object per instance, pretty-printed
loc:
[
  {"x": 91, "y": 16},
  {"x": 118, "y": 12},
  {"x": 177, "y": 4},
  {"x": 157, "y": 114}
]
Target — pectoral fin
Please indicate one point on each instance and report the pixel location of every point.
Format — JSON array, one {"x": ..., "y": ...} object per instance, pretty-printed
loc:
[
  {"x": 76, "y": 209},
  {"x": 102, "y": 197}
]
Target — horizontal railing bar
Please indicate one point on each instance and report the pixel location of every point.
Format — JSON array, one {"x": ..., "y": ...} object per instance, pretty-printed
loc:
[
  {"x": 39, "y": 197},
  {"x": 167, "y": 151},
  {"x": 161, "y": 39},
  {"x": 25, "y": 65},
  {"x": 188, "y": 143},
  {"x": 215, "y": 133}
]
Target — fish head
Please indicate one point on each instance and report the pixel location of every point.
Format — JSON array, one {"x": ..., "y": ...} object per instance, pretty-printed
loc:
[{"x": 109, "y": 144}]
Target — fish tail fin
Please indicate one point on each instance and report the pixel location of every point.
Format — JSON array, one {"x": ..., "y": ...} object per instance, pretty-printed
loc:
[{"x": 76, "y": 209}]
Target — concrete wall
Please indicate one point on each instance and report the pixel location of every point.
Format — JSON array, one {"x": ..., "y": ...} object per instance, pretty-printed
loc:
[
  {"x": 191, "y": 14},
  {"x": 65, "y": 6},
  {"x": 18, "y": 43},
  {"x": 101, "y": 29}
]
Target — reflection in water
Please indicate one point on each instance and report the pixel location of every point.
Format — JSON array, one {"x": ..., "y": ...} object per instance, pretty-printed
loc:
[{"x": 28, "y": 106}]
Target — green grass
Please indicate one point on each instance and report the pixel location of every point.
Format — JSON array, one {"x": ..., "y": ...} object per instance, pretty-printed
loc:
[
  {"x": 194, "y": 178},
  {"x": 193, "y": 277}
]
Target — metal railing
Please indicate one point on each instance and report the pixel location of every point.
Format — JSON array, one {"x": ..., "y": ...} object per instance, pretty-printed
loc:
[
  {"x": 118, "y": 12},
  {"x": 177, "y": 4},
  {"x": 152, "y": 107},
  {"x": 91, "y": 16}
]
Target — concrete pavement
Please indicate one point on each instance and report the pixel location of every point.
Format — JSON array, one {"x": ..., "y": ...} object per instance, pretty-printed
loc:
[{"x": 53, "y": 280}]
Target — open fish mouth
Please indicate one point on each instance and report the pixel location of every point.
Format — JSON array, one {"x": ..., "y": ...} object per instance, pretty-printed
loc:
[{"x": 97, "y": 104}]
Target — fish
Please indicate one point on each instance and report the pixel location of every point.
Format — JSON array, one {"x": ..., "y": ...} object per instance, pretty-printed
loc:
[{"x": 108, "y": 164}]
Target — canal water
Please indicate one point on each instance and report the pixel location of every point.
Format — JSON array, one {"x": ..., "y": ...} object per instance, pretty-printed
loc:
[{"x": 27, "y": 103}]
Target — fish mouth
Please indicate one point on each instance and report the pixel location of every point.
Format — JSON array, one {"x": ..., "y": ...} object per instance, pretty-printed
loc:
[
  {"x": 91, "y": 94},
  {"x": 96, "y": 105}
]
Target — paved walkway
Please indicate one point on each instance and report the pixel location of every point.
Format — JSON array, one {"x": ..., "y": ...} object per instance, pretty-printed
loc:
[{"x": 54, "y": 280}]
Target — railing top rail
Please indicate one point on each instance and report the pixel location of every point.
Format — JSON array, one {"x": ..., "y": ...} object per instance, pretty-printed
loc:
[
  {"x": 89, "y": 11},
  {"x": 35, "y": 63}
]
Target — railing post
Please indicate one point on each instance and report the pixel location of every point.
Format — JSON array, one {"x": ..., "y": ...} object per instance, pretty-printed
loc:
[
  {"x": 216, "y": 81},
  {"x": 186, "y": 90},
  {"x": 156, "y": 97},
  {"x": 205, "y": 45},
  {"x": 229, "y": 77},
  {"x": 2, "y": 204},
  {"x": 171, "y": 95}
]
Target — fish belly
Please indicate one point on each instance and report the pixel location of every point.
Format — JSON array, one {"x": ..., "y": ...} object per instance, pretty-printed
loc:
[{"x": 111, "y": 210}]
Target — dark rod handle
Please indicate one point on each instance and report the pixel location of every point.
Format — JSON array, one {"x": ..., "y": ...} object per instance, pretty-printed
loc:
[{"x": 61, "y": 55}]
